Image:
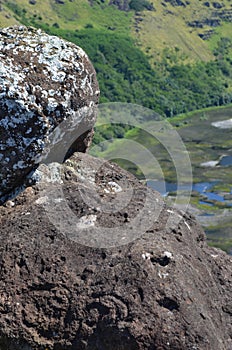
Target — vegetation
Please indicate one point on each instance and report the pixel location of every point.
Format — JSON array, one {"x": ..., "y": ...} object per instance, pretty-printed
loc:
[
  {"x": 125, "y": 73},
  {"x": 140, "y": 5},
  {"x": 171, "y": 86}
]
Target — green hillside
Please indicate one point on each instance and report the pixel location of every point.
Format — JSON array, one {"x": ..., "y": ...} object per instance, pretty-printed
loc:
[
  {"x": 69, "y": 15},
  {"x": 172, "y": 56},
  {"x": 190, "y": 26}
]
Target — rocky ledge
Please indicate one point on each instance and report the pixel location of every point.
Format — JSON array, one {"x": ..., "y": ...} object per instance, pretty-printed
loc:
[{"x": 69, "y": 282}]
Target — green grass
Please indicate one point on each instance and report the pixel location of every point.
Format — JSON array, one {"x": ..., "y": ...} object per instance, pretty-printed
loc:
[
  {"x": 220, "y": 236},
  {"x": 220, "y": 243},
  {"x": 7, "y": 17},
  {"x": 161, "y": 29},
  {"x": 203, "y": 143},
  {"x": 165, "y": 27},
  {"x": 222, "y": 187},
  {"x": 72, "y": 16},
  {"x": 198, "y": 113},
  {"x": 224, "y": 31}
]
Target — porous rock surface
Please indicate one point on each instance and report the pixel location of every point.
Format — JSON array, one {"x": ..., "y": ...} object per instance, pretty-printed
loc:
[
  {"x": 44, "y": 80},
  {"x": 166, "y": 290}
]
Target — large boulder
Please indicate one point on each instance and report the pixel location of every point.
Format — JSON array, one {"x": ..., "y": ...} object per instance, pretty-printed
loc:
[
  {"x": 44, "y": 81},
  {"x": 69, "y": 282}
]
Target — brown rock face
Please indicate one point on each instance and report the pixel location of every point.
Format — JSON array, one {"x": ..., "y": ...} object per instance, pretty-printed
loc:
[
  {"x": 164, "y": 289},
  {"x": 44, "y": 81}
]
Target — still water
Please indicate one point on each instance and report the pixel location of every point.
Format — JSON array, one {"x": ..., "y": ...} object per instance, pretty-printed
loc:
[{"x": 202, "y": 188}]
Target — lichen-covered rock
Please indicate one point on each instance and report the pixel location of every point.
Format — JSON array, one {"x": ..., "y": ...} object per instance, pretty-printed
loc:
[
  {"x": 44, "y": 80},
  {"x": 165, "y": 290}
]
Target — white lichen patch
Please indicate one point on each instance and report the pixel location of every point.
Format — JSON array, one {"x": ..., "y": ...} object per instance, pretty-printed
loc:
[
  {"x": 49, "y": 174},
  {"x": 170, "y": 211},
  {"x": 114, "y": 187},
  {"x": 162, "y": 275},
  {"x": 167, "y": 254},
  {"x": 42, "y": 200},
  {"x": 86, "y": 221},
  {"x": 187, "y": 225},
  {"x": 146, "y": 256},
  {"x": 19, "y": 165}
]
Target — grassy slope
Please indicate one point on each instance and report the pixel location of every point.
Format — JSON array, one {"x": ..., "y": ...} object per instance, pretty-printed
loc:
[
  {"x": 224, "y": 31},
  {"x": 164, "y": 27},
  {"x": 74, "y": 15},
  {"x": 167, "y": 27},
  {"x": 7, "y": 17}
]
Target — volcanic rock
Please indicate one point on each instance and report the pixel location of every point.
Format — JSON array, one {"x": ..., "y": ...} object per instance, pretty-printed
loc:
[
  {"x": 92, "y": 259},
  {"x": 122, "y": 5},
  {"x": 44, "y": 80}
]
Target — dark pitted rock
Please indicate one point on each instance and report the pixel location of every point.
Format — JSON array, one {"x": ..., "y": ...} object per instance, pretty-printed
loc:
[
  {"x": 44, "y": 80},
  {"x": 211, "y": 22},
  {"x": 122, "y": 5},
  {"x": 218, "y": 5},
  {"x": 165, "y": 290},
  {"x": 176, "y": 2}
]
